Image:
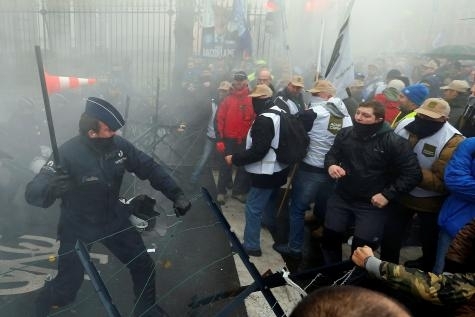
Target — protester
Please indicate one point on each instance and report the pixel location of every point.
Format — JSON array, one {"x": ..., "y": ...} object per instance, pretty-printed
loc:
[
  {"x": 456, "y": 94},
  {"x": 348, "y": 301},
  {"x": 410, "y": 99},
  {"x": 354, "y": 97},
  {"x": 459, "y": 207},
  {"x": 433, "y": 140},
  {"x": 210, "y": 141},
  {"x": 389, "y": 97},
  {"x": 364, "y": 158},
  {"x": 264, "y": 77},
  {"x": 260, "y": 160},
  {"x": 292, "y": 94},
  {"x": 311, "y": 181},
  {"x": 466, "y": 123},
  {"x": 431, "y": 78},
  {"x": 233, "y": 120},
  {"x": 452, "y": 293}
]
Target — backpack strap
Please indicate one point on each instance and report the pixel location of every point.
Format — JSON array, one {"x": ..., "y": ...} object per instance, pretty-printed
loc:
[{"x": 273, "y": 111}]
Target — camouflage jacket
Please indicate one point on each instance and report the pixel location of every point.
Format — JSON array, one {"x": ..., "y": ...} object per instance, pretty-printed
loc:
[{"x": 445, "y": 289}]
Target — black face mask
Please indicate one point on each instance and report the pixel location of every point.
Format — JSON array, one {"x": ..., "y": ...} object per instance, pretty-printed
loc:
[
  {"x": 366, "y": 130},
  {"x": 260, "y": 105},
  {"x": 103, "y": 145},
  {"x": 423, "y": 128}
]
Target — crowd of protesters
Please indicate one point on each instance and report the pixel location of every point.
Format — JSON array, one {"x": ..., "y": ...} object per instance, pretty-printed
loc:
[
  {"x": 397, "y": 151},
  {"x": 383, "y": 159}
]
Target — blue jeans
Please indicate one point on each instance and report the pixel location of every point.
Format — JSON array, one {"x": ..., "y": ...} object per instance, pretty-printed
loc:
[
  {"x": 307, "y": 187},
  {"x": 259, "y": 201},
  {"x": 207, "y": 150},
  {"x": 442, "y": 247}
]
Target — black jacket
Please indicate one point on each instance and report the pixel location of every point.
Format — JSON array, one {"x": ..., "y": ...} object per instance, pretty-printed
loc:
[
  {"x": 262, "y": 133},
  {"x": 383, "y": 163},
  {"x": 298, "y": 100},
  {"x": 466, "y": 123},
  {"x": 457, "y": 108},
  {"x": 92, "y": 209}
]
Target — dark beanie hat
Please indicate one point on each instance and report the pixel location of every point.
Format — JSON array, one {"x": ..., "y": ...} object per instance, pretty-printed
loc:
[
  {"x": 416, "y": 93},
  {"x": 102, "y": 110},
  {"x": 393, "y": 74}
]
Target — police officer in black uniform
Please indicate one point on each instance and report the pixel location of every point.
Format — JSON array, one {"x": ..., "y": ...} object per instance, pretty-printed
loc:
[{"x": 88, "y": 179}]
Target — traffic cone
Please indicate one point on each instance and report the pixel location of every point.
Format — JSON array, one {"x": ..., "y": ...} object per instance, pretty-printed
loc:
[{"x": 57, "y": 83}]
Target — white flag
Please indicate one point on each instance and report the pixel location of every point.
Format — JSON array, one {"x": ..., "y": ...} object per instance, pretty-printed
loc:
[{"x": 341, "y": 69}]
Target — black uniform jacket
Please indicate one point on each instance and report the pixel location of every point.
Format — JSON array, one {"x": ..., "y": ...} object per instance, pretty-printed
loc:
[{"x": 92, "y": 209}]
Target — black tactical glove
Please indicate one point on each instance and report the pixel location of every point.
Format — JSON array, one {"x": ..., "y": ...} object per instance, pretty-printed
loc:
[
  {"x": 143, "y": 207},
  {"x": 59, "y": 184},
  {"x": 181, "y": 205}
]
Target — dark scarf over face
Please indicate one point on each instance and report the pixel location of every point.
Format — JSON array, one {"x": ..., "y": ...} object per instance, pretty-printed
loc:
[
  {"x": 423, "y": 128},
  {"x": 103, "y": 145},
  {"x": 366, "y": 130},
  {"x": 261, "y": 104}
]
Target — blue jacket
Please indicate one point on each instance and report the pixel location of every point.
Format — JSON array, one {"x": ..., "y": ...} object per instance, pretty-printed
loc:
[
  {"x": 459, "y": 207},
  {"x": 92, "y": 208}
]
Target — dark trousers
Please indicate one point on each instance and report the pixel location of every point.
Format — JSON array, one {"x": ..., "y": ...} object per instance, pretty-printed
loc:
[
  {"x": 242, "y": 180},
  {"x": 394, "y": 234},
  {"x": 368, "y": 220},
  {"x": 127, "y": 246}
]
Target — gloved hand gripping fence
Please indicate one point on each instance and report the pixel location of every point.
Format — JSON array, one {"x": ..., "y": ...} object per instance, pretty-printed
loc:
[{"x": 181, "y": 205}]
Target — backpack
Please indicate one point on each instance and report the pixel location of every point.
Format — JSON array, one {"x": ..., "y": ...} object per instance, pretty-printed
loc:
[{"x": 293, "y": 139}]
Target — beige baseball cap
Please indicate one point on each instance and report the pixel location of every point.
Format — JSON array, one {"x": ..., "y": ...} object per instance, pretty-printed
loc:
[
  {"x": 396, "y": 83},
  {"x": 457, "y": 85},
  {"x": 297, "y": 81},
  {"x": 323, "y": 86},
  {"x": 430, "y": 64},
  {"x": 435, "y": 108},
  {"x": 261, "y": 91}
]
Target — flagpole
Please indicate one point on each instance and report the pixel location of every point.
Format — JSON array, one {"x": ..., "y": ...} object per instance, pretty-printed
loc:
[
  {"x": 283, "y": 14},
  {"x": 320, "y": 50},
  {"x": 340, "y": 69}
]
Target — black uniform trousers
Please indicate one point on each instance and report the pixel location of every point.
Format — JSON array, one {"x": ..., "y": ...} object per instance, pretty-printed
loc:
[{"x": 127, "y": 246}]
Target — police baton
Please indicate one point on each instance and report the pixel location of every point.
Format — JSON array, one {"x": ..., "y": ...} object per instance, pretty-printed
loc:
[
  {"x": 49, "y": 118},
  {"x": 126, "y": 115}
]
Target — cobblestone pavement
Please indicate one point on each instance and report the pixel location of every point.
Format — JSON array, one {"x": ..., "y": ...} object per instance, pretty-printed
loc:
[{"x": 287, "y": 296}]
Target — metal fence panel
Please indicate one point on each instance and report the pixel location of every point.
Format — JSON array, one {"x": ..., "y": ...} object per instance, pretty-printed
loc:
[{"x": 90, "y": 38}]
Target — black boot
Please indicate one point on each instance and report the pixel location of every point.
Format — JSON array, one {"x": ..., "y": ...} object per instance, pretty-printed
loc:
[
  {"x": 43, "y": 304},
  {"x": 49, "y": 298},
  {"x": 144, "y": 290},
  {"x": 144, "y": 310}
]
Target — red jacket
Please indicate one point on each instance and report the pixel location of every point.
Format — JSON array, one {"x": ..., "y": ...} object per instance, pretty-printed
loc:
[
  {"x": 392, "y": 107},
  {"x": 235, "y": 115}
]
